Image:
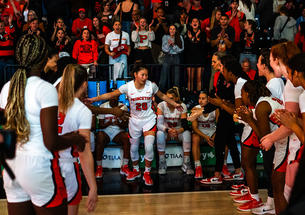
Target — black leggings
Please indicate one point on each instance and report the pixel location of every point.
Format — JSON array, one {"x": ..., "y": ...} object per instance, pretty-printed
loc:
[
  {"x": 225, "y": 136},
  {"x": 268, "y": 167}
]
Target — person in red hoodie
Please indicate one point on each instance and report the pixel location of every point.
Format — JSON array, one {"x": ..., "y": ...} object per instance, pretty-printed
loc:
[
  {"x": 85, "y": 52},
  {"x": 80, "y": 23}
]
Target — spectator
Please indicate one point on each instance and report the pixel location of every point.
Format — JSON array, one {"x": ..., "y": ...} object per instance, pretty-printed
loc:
[
  {"x": 284, "y": 26},
  {"x": 59, "y": 24},
  {"x": 136, "y": 15},
  {"x": 181, "y": 24},
  {"x": 49, "y": 73},
  {"x": 301, "y": 18},
  {"x": 124, "y": 11},
  {"x": 160, "y": 27},
  {"x": 80, "y": 23},
  {"x": 197, "y": 11},
  {"x": 264, "y": 9},
  {"x": 85, "y": 52},
  {"x": 249, "y": 43},
  {"x": 172, "y": 46},
  {"x": 247, "y": 7},
  {"x": 195, "y": 53},
  {"x": 223, "y": 35},
  {"x": 100, "y": 31},
  {"x": 246, "y": 66},
  {"x": 34, "y": 28},
  {"x": 299, "y": 38},
  {"x": 208, "y": 24},
  {"x": 12, "y": 7},
  {"x": 32, "y": 15},
  {"x": 142, "y": 38},
  {"x": 186, "y": 5},
  {"x": 115, "y": 40},
  {"x": 236, "y": 18},
  {"x": 107, "y": 10},
  {"x": 153, "y": 12},
  {"x": 62, "y": 42}
]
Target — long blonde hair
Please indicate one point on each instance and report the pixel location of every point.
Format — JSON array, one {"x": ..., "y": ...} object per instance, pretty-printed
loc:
[
  {"x": 30, "y": 54},
  {"x": 73, "y": 77}
]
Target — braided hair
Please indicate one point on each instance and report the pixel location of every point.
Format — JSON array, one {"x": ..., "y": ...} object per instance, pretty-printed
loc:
[{"x": 31, "y": 52}]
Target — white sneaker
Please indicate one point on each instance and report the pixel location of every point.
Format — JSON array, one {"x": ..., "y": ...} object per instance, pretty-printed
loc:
[
  {"x": 265, "y": 209},
  {"x": 186, "y": 167},
  {"x": 162, "y": 167}
]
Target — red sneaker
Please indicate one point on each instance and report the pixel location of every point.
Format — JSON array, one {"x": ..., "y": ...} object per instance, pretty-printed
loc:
[
  {"x": 250, "y": 205},
  {"x": 225, "y": 171},
  {"x": 124, "y": 170},
  {"x": 212, "y": 180},
  {"x": 198, "y": 172},
  {"x": 243, "y": 199},
  {"x": 238, "y": 186},
  {"x": 240, "y": 192},
  {"x": 235, "y": 176},
  {"x": 147, "y": 179},
  {"x": 133, "y": 175},
  {"x": 99, "y": 172}
]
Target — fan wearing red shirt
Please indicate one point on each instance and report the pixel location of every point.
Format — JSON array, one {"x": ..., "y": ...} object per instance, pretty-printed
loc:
[
  {"x": 235, "y": 19},
  {"x": 246, "y": 66},
  {"x": 85, "y": 52},
  {"x": 80, "y": 23}
]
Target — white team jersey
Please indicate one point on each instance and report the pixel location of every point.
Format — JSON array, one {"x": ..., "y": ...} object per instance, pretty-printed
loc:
[
  {"x": 140, "y": 100},
  {"x": 238, "y": 86},
  {"x": 39, "y": 94},
  {"x": 291, "y": 93},
  {"x": 276, "y": 87},
  {"x": 112, "y": 118},
  {"x": 274, "y": 103},
  {"x": 77, "y": 117},
  {"x": 207, "y": 125},
  {"x": 172, "y": 119}
]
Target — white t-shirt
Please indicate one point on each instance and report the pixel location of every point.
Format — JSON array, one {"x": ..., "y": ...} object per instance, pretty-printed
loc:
[
  {"x": 39, "y": 94},
  {"x": 291, "y": 93},
  {"x": 77, "y": 117},
  {"x": 140, "y": 100},
  {"x": 113, "y": 39},
  {"x": 276, "y": 87},
  {"x": 110, "y": 117},
  {"x": 238, "y": 86},
  {"x": 172, "y": 119}
]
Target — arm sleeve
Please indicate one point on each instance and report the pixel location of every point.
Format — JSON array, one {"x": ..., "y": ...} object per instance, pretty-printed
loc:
[
  {"x": 124, "y": 89},
  {"x": 160, "y": 123},
  {"x": 184, "y": 108},
  {"x": 47, "y": 95},
  {"x": 75, "y": 50},
  {"x": 85, "y": 119},
  {"x": 276, "y": 29},
  {"x": 127, "y": 39},
  {"x": 151, "y": 36},
  {"x": 155, "y": 88},
  {"x": 74, "y": 31},
  {"x": 302, "y": 102},
  {"x": 165, "y": 45},
  {"x": 108, "y": 39},
  {"x": 135, "y": 36}
]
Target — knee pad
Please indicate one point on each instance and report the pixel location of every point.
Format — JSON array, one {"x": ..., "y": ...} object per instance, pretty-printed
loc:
[
  {"x": 134, "y": 148},
  {"x": 161, "y": 141},
  {"x": 149, "y": 147},
  {"x": 186, "y": 141}
]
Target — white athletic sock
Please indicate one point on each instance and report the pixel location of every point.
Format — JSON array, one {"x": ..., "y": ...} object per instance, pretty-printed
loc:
[
  {"x": 255, "y": 196},
  {"x": 99, "y": 163},
  {"x": 270, "y": 201},
  {"x": 162, "y": 157},
  {"x": 147, "y": 169},
  {"x": 197, "y": 163},
  {"x": 186, "y": 159},
  {"x": 125, "y": 161},
  {"x": 136, "y": 167}
]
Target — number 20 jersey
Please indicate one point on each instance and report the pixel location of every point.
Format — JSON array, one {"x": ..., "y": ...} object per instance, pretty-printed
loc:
[{"x": 140, "y": 100}]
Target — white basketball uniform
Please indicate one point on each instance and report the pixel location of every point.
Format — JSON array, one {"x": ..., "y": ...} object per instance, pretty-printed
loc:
[
  {"x": 142, "y": 116},
  {"x": 281, "y": 146},
  {"x": 172, "y": 119},
  {"x": 207, "y": 124},
  {"x": 38, "y": 177},
  {"x": 77, "y": 117},
  {"x": 113, "y": 130}
]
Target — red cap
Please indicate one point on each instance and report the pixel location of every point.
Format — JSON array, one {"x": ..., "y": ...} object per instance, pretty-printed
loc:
[
  {"x": 81, "y": 10},
  {"x": 156, "y": 1}
]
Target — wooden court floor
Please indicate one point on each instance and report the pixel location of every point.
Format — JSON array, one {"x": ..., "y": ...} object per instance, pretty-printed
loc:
[{"x": 190, "y": 203}]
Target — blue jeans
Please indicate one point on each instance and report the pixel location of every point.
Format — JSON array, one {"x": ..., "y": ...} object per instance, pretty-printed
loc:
[
  {"x": 170, "y": 61},
  {"x": 120, "y": 59},
  {"x": 126, "y": 26},
  {"x": 252, "y": 58}
]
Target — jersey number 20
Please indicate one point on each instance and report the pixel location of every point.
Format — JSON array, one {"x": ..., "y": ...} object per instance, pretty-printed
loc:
[{"x": 141, "y": 106}]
